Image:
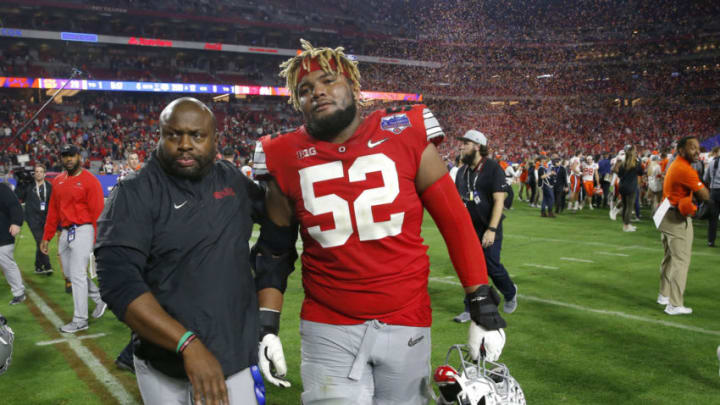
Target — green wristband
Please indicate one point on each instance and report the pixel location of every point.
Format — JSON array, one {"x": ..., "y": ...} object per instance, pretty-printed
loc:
[{"x": 183, "y": 339}]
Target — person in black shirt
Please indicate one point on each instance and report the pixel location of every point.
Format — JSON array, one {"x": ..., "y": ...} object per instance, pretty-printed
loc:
[
  {"x": 480, "y": 182},
  {"x": 561, "y": 184},
  {"x": 174, "y": 264},
  {"x": 36, "y": 196},
  {"x": 11, "y": 218},
  {"x": 546, "y": 177},
  {"x": 628, "y": 170}
]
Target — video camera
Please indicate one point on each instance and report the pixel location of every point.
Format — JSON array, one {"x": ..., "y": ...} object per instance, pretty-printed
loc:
[{"x": 23, "y": 175}]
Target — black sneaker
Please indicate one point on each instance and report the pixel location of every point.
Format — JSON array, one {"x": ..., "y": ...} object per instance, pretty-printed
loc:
[
  {"x": 18, "y": 299},
  {"x": 40, "y": 272}
]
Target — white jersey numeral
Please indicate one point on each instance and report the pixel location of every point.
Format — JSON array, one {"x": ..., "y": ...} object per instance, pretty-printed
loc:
[{"x": 367, "y": 228}]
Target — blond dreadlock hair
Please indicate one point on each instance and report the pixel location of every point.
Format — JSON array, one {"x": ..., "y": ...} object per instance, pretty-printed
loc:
[{"x": 291, "y": 68}]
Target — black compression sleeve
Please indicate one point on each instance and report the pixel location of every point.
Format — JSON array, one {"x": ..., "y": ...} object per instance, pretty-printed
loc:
[{"x": 119, "y": 272}]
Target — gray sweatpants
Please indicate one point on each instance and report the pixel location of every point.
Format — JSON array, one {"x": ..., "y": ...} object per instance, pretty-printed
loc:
[
  {"x": 157, "y": 388},
  {"x": 75, "y": 257},
  {"x": 10, "y": 270},
  {"x": 369, "y": 363}
]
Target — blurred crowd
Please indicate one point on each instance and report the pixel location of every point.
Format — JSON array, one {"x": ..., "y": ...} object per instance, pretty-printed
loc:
[{"x": 112, "y": 125}]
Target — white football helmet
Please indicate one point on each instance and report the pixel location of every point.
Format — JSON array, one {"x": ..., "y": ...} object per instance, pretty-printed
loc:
[
  {"x": 6, "y": 345},
  {"x": 476, "y": 383}
]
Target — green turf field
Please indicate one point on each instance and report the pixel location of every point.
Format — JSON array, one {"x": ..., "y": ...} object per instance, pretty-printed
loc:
[{"x": 587, "y": 329}]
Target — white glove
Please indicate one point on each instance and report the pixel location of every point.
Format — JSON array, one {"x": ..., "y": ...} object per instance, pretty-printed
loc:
[
  {"x": 492, "y": 340},
  {"x": 271, "y": 352}
]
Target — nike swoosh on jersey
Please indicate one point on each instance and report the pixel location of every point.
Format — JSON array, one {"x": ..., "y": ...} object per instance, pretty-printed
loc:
[
  {"x": 178, "y": 206},
  {"x": 372, "y": 144}
]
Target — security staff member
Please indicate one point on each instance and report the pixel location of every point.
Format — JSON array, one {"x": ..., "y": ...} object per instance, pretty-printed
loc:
[
  {"x": 480, "y": 182},
  {"x": 173, "y": 263},
  {"x": 75, "y": 205},
  {"x": 36, "y": 197}
]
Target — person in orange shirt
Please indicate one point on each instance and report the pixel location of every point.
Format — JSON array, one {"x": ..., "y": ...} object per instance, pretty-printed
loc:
[
  {"x": 523, "y": 182},
  {"x": 681, "y": 183}
]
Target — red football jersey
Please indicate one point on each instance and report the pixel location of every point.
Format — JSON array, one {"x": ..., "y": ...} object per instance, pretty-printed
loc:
[{"x": 360, "y": 217}]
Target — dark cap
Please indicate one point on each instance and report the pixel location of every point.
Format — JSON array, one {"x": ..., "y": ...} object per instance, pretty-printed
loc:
[
  {"x": 228, "y": 151},
  {"x": 68, "y": 150}
]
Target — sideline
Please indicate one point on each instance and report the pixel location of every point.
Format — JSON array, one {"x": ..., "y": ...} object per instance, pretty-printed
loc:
[
  {"x": 114, "y": 387},
  {"x": 600, "y": 311}
]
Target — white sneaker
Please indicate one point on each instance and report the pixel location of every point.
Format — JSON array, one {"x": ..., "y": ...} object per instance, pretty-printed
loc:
[
  {"x": 681, "y": 310},
  {"x": 629, "y": 228},
  {"x": 463, "y": 317},
  {"x": 634, "y": 219},
  {"x": 99, "y": 309},
  {"x": 73, "y": 327},
  {"x": 663, "y": 300},
  {"x": 613, "y": 214},
  {"x": 510, "y": 306}
]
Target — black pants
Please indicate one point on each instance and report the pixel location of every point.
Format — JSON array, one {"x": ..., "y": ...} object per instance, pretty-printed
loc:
[
  {"x": 497, "y": 272},
  {"x": 510, "y": 196},
  {"x": 628, "y": 199},
  {"x": 533, "y": 193},
  {"x": 606, "y": 190},
  {"x": 714, "y": 211},
  {"x": 42, "y": 261},
  {"x": 559, "y": 199}
]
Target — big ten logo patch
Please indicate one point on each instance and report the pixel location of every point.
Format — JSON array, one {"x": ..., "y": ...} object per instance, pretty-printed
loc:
[{"x": 306, "y": 152}]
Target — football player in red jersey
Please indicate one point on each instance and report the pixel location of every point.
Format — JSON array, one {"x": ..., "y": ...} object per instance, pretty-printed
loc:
[{"x": 358, "y": 187}]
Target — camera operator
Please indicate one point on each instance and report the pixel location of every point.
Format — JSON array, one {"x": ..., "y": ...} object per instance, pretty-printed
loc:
[{"x": 35, "y": 193}]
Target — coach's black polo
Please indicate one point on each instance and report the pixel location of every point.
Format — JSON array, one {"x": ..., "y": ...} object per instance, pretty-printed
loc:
[
  {"x": 476, "y": 187},
  {"x": 187, "y": 243}
]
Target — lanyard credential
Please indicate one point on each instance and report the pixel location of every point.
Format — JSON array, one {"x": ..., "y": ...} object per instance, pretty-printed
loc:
[
  {"x": 471, "y": 190},
  {"x": 43, "y": 197},
  {"x": 44, "y": 192}
]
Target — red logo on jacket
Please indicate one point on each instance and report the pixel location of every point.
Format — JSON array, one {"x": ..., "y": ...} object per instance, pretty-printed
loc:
[{"x": 226, "y": 192}]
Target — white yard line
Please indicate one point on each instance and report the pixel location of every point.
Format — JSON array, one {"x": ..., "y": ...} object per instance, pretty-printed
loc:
[
  {"x": 658, "y": 249},
  {"x": 102, "y": 374},
  {"x": 83, "y": 337},
  {"x": 540, "y": 266},
  {"x": 575, "y": 259},
  {"x": 612, "y": 254},
  {"x": 600, "y": 311}
]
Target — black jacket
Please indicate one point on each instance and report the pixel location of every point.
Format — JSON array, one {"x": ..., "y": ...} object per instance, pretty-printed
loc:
[
  {"x": 10, "y": 214},
  {"x": 187, "y": 243},
  {"x": 34, "y": 215}
]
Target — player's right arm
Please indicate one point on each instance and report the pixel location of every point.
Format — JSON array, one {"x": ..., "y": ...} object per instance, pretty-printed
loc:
[{"x": 273, "y": 259}]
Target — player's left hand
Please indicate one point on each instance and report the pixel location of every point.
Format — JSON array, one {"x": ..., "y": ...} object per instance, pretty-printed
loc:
[
  {"x": 14, "y": 230},
  {"x": 488, "y": 238},
  {"x": 271, "y": 353},
  {"x": 488, "y": 343}
]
